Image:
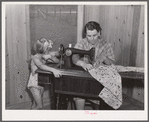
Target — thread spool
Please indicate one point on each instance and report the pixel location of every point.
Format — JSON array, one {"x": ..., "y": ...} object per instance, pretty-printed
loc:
[{"x": 70, "y": 45}]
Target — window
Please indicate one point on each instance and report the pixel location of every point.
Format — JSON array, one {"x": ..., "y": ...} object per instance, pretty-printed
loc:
[{"x": 55, "y": 22}]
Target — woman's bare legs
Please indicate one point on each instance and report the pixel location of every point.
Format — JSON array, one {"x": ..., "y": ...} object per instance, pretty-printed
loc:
[{"x": 80, "y": 103}]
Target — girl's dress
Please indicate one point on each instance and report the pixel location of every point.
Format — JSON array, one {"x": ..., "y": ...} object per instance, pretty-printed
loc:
[{"x": 33, "y": 79}]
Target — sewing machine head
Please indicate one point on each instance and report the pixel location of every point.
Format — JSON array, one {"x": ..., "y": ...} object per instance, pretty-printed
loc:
[{"x": 66, "y": 54}]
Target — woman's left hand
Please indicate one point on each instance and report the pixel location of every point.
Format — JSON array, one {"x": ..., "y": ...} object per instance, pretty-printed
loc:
[{"x": 101, "y": 58}]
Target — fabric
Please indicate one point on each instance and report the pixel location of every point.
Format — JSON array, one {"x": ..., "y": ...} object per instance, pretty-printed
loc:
[
  {"x": 108, "y": 76},
  {"x": 102, "y": 46},
  {"x": 33, "y": 79},
  {"x": 33, "y": 66}
]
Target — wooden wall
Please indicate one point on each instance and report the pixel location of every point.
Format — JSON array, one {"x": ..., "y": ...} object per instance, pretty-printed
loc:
[
  {"x": 123, "y": 27},
  {"x": 17, "y": 53}
]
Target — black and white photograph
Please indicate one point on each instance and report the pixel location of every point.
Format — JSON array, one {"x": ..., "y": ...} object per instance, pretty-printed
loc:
[{"x": 74, "y": 61}]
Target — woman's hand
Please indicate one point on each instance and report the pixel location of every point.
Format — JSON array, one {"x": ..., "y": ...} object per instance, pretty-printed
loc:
[
  {"x": 86, "y": 66},
  {"x": 57, "y": 73},
  {"x": 101, "y": 57}
]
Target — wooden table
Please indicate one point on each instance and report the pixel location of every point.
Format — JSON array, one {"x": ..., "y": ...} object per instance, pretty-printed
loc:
[{"x": 76, "y": 82}]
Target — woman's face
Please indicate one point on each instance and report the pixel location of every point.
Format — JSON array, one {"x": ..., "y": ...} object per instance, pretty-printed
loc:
[{"x": 92, "y": 36}]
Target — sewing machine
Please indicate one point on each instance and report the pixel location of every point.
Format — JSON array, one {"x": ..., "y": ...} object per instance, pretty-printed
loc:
[{"x": 66, "y": 55}]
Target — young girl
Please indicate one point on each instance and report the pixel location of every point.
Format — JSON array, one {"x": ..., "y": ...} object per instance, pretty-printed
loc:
[{"x": 42, "y": 48}]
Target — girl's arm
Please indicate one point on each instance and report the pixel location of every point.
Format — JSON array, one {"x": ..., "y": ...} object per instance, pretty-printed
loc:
[
  {"x": 51, "y": 58},
  {"x": 42, "y": 66}
]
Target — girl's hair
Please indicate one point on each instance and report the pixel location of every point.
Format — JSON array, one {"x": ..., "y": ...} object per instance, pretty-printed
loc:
[
  {"x": 39, "y": 45},
  {"x": 91, "y": 26}
]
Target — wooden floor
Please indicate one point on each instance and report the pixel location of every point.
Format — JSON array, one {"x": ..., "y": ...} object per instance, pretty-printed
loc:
[{"x": 128, "y": 104}]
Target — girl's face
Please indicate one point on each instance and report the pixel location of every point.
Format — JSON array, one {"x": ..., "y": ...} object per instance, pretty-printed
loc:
[
  {"x": 92, "y": 36},
  {"x": 48, "y": 45}
]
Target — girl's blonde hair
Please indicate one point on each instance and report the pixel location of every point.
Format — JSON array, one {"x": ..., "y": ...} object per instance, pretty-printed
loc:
[{"x": 39, "y": 45}]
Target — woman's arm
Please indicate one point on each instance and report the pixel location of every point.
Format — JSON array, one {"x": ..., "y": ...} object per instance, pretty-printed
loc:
[
  {"x": 77, "y": 61},
  {"x": 108, "y": 61},
  {"x": 105, "y": 57}
]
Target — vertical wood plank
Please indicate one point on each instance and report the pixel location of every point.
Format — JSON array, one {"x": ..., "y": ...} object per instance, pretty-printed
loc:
[
  {"x": 89, "y": 16},
  {"x": 127, "y": 35},
  {"x": 22, "y": 54},
  {"x": 95, "y": 16},
  {"x": 80, "y": 20},
  {"x": 16, "y": 59},
  {"x": 17, "y": 51},
  {"x": 7, "y": 69},
  {"x": 117, "y": 39},
  {"x": 108, "y": 15},
  {"x": 134, "y": 38},
  {"x": 140, "y": 46},
  {"x": 86, "y": 13},
  {"x": 101, "y": 20},
  {"x": 122, "y": 36},
  {"x": 9, "y": 37},
  {"x": 28, "y": 47}
]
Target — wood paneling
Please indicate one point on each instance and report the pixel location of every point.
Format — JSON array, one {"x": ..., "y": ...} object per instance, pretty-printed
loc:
[
  {"x": 123, "y": 27},
  {"x": 134, "y": 36},
  {"x": 80, "y": 22},
  {"x": 140, "y": 47},
  {"x": 17, "y": 39}
]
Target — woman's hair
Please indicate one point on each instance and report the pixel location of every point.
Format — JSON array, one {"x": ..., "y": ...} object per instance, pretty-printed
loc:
[
  {"x": 91, "y": 26},
  {"x": 39, "y": 46}
]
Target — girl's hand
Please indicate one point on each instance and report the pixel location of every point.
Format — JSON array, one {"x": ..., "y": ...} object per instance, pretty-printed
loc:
[
  {"x": 46, "y": 56},
  {"x": 55, "y": 53},
  {"x": 57, "y": 73}
]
